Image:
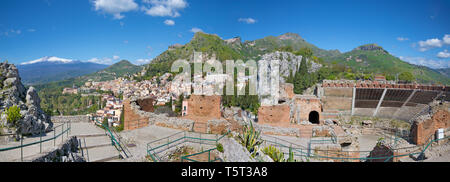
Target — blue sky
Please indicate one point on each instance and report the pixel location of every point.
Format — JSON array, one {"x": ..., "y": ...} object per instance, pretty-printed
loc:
[{"x": 106, "y": 31}]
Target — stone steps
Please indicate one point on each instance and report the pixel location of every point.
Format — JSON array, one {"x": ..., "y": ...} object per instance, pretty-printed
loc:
[{"x": 102, "y": 154}]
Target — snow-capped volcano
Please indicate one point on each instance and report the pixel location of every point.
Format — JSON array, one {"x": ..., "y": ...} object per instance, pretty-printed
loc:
[
  {"x": 51, "y": 68},
  {"x": 49, "y": 59}
]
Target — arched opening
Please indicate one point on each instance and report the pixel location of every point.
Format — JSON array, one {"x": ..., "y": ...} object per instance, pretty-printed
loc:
[{"x": 314, "y": 117}]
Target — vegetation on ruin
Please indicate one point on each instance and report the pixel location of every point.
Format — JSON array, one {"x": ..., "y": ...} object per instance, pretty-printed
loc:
[
  {"x": 250, "y": 138},
  {"x": 122, "y": 122},
  {"x": 219, "y": 147},
  {"x": 274, "y": 153},
  {"x": 277, "y": 155}
]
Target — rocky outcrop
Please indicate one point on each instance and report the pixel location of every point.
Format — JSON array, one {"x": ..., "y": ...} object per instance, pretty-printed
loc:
[
  {"x": 234, "y": 152},
  {"x": 370, "y": 47},
  {"x": 13, "y": 93},
  {"x": 67, "y": 153},
  {"x": 269, "y": 76}
]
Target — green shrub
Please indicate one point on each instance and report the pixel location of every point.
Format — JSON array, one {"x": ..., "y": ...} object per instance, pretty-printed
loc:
[
  {"x": 219, "y": 147},
  {"x": 274, "y": 153},
  {"x": 13, "y": 115}
]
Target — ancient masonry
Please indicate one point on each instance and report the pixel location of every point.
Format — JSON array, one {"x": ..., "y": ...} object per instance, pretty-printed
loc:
[
  {"x": 425, "y": 126},
  {"x": 207, "y": 109},
  {"x": 398, "y": 101}
]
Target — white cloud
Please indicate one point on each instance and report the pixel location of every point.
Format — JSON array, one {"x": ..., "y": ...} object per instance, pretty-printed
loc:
[
  {"x": 116, "y": 57},
  {"x": 169, "y": 22},
  {"x": 101, "y": 60},
  {"x": 115, "y": 7},
  {"x": 164, "y": 7},
  {"x": 426, "y": 62},
  {"x": 428, "y": 44},
  {"x": 16, "y": 31},
  {"x": 142, "y": 61},
  {"x": 401, "y": 39},
  {"x": 446, "y": 39},
  {"x": 125, "y": 41},
  {"x": 443, "y": 54},
  {"x": 247, "y": 20},
  {"x": 195, "y": 30}
]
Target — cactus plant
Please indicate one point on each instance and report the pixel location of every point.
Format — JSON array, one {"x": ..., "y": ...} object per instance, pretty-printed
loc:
[{"x": 274, "y": 153}]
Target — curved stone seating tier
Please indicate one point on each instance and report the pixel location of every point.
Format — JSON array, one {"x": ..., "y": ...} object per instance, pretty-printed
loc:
[
  {"x": 366, "y": 103},
  {"x": 368, "y": 94},
  {"x": 423, "y": 97}
]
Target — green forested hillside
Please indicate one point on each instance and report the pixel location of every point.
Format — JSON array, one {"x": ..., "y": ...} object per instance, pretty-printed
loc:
[{"x": 372, "y": 58}]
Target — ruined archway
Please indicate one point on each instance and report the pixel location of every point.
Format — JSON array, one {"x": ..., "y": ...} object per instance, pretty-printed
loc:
[{"x": 313, "y": 117}]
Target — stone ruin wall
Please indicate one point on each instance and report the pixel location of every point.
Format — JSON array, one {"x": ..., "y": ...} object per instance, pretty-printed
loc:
[
  {"x": 135, "y": 118},
  {"x": 276, "y": 114},
  {"x": 205, "y": 106},
  {"x": 303, "y": 106},
  {"x": 421, "y": 130}
]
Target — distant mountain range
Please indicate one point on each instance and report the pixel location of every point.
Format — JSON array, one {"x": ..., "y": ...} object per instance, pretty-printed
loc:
[
  {"x": 119, "y": 69},
  {"x": 49, "y": 69},
  {"x": 370, "y": 58}
]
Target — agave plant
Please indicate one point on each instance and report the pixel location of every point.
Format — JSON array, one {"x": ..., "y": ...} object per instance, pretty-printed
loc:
[{"x": 250, "y": 138}]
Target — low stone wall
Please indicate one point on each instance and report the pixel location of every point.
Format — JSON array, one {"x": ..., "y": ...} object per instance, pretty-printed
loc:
[
  {"x": 66, "y": 153},
  {"x": 73, "y": 119},
  {"x": 218, "y": 126},
  {"x": 273, "y": 130}
]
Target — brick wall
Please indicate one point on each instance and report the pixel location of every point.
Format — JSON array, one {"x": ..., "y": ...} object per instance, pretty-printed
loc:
[
  {"x": 304, "y": 106},
  {"x": 132, "y": 120},
  {"x": 274, "y": 114},
  {"x": 422, "y": 130},
  {"x": 204, "y": 106}
]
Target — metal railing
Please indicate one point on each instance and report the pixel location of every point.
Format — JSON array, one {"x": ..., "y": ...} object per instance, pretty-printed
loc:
[
  {"x": 115, "y": 141},
  {"x": 187, "y": 157},
  {"x": 41, "y": 141},
  {"x": 179, "y": 138},
  {"x": 346, "y": 156}
]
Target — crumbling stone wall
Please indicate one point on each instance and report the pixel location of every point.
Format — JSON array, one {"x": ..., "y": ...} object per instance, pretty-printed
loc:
[
  {"x": 274, "y": 114},
  {"x": 72, "y": 119},
  {"x": 304, "y": 106},
  {"x": 287, "y": 91},
  {"x": 426, "y": 126},
  {"x": 133, "y": 120},
  {"x": 204, "y": 106},
  {"x": 381, "y": 152}
]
